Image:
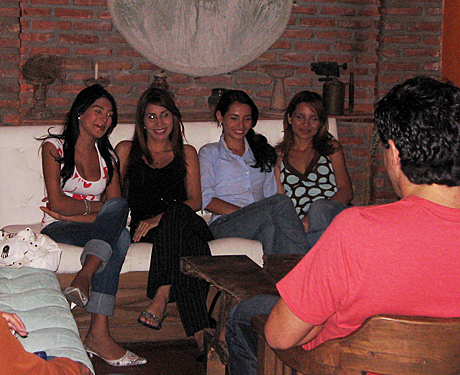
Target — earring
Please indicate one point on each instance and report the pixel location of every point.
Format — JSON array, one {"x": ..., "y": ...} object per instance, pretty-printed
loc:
[
  {"x": 79, "y": 117},
  {"x": 221, "y": 124}
]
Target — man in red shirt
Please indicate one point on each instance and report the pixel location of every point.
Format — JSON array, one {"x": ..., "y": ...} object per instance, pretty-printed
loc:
[{"x": 400, "y": 258}]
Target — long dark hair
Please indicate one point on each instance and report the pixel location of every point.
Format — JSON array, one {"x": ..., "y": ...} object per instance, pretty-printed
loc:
[
  {"x": 322, "y": 139},
  {"x": 139, "y": 146},
  {"x": 71, "y": 131},
  {"x": 264, "y": 153}
]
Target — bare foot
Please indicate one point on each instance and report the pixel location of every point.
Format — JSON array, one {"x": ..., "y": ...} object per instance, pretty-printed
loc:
[
  {"x": 82, "y": 281},
  {"x": 157, "y": 308},
  {"x": 199, "y": 338},
  {"x": 105, "y": 346}
]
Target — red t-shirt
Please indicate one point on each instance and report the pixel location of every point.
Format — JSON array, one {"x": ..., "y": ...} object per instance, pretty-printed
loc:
[{"x": 401, "y": 258}]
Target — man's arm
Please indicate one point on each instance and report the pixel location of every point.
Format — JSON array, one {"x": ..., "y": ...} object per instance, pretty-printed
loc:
[{"x": 284, "y": 330}]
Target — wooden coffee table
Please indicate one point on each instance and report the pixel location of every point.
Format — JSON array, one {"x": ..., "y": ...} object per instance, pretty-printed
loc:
[{"x": 238, "y": 278}]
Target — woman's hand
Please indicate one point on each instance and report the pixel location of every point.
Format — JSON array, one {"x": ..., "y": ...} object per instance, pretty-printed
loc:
[
  {"x": 145, "y": 226},
  {"x": 305, "y": 223},
  {"x": 15, "y": 324}
]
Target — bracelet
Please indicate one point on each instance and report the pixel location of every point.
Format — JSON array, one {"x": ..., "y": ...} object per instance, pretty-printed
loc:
[{"x": 87, "y": 208}]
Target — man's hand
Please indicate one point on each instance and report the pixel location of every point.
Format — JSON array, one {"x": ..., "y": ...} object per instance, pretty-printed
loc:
[{"x": 15, "y": 324}]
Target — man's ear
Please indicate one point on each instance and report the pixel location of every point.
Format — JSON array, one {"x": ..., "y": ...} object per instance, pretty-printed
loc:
[{"x": 394, "y": 153}]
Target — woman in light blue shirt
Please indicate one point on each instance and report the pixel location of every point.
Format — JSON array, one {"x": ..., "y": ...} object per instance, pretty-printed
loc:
[{"x": 239, "y": 186}]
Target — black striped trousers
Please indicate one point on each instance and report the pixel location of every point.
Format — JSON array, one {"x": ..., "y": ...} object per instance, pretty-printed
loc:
[{"x": 181, "y": 232}]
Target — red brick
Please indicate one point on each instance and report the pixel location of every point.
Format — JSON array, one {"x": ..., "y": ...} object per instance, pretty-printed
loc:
[
  {"x": 51, "y": 2},
  {"x": 394, "y": 26},
  {"x": 299, "y": 33},
  {"x": 73, "y": 13},
  {"x": 293, "y": 57},
  {"x": 9, "y": 104},
  {"x": 338, "y": 11},
  {"x": 311, "y": 22},
  {"x": 312, "y": 46},
  {"x": 9, "y": 12},
  {"x": 94, "y": 51},
  {"x": 371, "y": 12},
  {"x": 36, "y": 37},
  {"x": 79, "y": 39},
  {"x": 51, "y": 51},
  {"x": 90, "y": 2},
  {"x": 223, "y": 80},
  {"x": 281, "y": 44},
  {"x": 28, "y": 11},
  {"x": 96, "y": 26},
  {"x": 104, "y": 16},
  {"x": 259, "y": 80},
  {"x": 179, "y": 78},
  {"x": 432, "y": 40},
  {"x": 425, "y": 26},
  {"x": 422, "y": 52},
  {"x": 333, "y": 35},
  {"x": 51, "y": 25},
  {"x": 192, "y": 91},
  {"x": 403, "y": 11},
  {"x": 9, "y": 43},
  {"x": 114, "y": 39},
  {"x": 354, "y": 47},
  {"x": 304, "y": 9},
  {"x": 128, "y": 53},
  {"x": 401, "y": 39},
  {"x": 11, "y": 119},
  {"x": 358, "y": 24},
  {"x": 130, "y": 78}
]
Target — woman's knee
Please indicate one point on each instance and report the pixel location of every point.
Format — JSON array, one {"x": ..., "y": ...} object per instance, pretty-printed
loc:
[
  {"x": 122, "y": 246},
  {"x": 117, "y": 204}
]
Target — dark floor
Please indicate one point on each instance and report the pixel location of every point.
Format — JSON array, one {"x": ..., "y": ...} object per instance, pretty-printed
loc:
[{"x": 176, "y": 358}]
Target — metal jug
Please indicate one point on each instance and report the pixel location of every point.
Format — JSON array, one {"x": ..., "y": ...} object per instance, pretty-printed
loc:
[{"x": 333, "y": 89}]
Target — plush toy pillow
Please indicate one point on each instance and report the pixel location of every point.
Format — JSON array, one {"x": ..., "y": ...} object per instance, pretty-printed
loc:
[{"x": 30, "y": 249}]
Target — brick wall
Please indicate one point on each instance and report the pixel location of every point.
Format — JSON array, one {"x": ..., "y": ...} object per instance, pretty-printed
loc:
[
  {"x": 383, "y": 42},
  {"x": 9, "y": 61}
]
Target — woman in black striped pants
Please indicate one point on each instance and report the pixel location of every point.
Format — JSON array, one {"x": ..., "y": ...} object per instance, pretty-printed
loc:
[{"x": 161, "y": 181}]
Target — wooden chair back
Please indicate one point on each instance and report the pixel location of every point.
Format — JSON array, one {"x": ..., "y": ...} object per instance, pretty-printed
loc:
[{"x": 384, "y": 344}]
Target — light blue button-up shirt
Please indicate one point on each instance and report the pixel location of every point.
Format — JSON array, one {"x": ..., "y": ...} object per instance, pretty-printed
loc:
[{"x": 231, "y": 178}]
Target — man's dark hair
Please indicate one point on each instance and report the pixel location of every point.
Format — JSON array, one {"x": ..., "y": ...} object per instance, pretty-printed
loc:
[{"x": 422, "y": 117}]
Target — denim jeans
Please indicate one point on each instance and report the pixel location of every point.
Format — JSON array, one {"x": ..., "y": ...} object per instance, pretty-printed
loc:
[
  {"x": 272, "y": 221},
  {"x": 241, "y": 339},
  {"x": 108, "y": 239},
  {"x": 320, "y": 214}
]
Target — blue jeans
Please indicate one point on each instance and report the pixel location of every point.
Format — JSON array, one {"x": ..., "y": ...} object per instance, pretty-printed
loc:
[
  {"x": 241, "y": 339},
  {"x": 320, "y": 214},
  {"x": 108, "y": 239},
  {"x": 272, "y": 221}
]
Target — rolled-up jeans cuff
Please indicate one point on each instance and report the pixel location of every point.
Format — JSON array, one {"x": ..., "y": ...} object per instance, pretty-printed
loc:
[
  {"x": 100, "y": 303},
  {"x": 98, "y": 248}
]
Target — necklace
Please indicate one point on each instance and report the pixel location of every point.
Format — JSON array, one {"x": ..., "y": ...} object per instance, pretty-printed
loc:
[{"x": 156, "y": 162}]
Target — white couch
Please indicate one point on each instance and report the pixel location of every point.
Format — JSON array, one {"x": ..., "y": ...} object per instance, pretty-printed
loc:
[
  {"x": 22, "y": 188},
  {"x": 21, "y": 192}
]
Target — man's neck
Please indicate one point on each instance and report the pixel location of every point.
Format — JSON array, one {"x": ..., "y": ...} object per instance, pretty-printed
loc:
[{"x": 439, "y": 194}]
